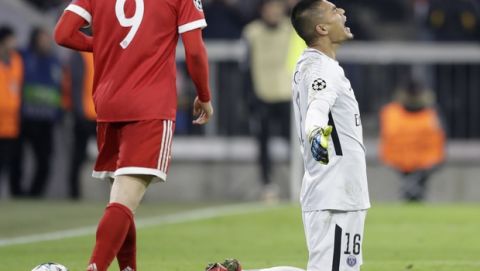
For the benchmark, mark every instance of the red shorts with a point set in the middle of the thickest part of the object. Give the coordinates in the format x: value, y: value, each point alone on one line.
x: 134, y: 148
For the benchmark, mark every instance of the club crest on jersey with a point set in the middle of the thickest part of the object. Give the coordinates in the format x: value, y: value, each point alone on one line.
x: 351, y: 261
x: 319, y: 84
x: 198, y: 4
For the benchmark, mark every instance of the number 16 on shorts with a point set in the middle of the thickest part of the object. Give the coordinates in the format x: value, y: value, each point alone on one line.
x: 334, y: 239
x: 353, y: 247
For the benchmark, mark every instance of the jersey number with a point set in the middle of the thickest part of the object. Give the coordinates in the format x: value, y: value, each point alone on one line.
x: 356, y: 244
x: 132, y: 22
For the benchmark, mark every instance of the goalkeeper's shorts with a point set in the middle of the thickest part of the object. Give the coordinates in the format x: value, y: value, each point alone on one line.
x: 334, y: 239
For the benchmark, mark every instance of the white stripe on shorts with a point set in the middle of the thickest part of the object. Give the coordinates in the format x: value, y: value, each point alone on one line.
x: 169, y: 146
x: 166, y: 145
x: 163, y: 144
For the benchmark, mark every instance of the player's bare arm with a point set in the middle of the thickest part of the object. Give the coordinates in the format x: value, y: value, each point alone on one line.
x: 68, y: 34
x: 197, y: 65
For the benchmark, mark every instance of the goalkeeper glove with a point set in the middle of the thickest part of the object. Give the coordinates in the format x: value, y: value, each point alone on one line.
x: 227, y: 265
x: 319, y: 144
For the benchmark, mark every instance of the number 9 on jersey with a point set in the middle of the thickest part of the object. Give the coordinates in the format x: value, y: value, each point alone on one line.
x: 133, y: 22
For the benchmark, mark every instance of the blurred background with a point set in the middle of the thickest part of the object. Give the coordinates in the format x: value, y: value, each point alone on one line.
x: 414, y: 67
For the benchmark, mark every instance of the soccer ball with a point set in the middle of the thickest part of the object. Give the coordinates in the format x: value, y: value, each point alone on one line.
x: 50, y: 267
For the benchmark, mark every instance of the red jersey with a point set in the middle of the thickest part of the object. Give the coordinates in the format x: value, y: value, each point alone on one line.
x: 134, y: 44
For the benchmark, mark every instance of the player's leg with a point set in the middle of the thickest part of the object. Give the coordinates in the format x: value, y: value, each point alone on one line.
x: 233, y: 264
x: 16, y: 163
x: 127, y: 255
x: 116, y: 229
x: 266, y: 119
x: 108, y: 141
x: 128, y: 190
x: 334, y: 240
x: 42, y: 143
x: 78, y: 155
x: 137, y: 152
x: 422, y: 183
x: 5, y: 155
x: 317, y: 234
x: 411, y: 186
x: 283, y: 112
x: 262, y: 137
x: 151, y: 157
x: 3, y: 158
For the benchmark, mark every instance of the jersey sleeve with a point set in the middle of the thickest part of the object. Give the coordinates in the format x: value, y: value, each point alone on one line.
x: 190, y: 16
x: 82, y: 8
x: 322, y: 95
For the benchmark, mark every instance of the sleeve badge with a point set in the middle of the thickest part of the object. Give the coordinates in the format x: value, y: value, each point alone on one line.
x: 319, y: 84
x: 198, y: 4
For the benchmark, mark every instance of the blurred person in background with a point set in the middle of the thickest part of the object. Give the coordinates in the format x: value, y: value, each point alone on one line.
x: 80, y: 66
x: 249, y: 9
x: 420, y: 10
x: 11, y: 76
x: 40, y: 110
x: 225, y: 24
x: 412, y: 140
x: 45, y: 4
x: 454, y: 20
x: 269, y: 39
x: 225, y: 20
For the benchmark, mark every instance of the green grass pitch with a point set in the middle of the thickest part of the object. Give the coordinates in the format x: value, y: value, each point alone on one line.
x: 397, y: 237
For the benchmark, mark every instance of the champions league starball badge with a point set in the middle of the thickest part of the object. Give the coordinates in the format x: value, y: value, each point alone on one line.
x: 351, y: 261
x: 319, y: 84
x: 198, y: 4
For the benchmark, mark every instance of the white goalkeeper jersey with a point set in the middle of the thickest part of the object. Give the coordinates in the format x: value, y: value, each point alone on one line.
x: 322, y: 95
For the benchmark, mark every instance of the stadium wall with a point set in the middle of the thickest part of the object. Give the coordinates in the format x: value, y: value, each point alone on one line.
x: 225, y: 169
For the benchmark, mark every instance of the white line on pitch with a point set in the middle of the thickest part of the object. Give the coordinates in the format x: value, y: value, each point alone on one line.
x: 188, y: 216
x: 472, y: 262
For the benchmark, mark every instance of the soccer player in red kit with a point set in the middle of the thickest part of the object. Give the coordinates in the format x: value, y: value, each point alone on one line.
x: 134, y: 93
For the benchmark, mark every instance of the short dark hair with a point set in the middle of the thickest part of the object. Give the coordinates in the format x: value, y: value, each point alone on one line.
x: 301, y: 19
x: 5, y: 32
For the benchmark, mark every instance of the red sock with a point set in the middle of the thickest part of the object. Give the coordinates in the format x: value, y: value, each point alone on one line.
x: 111, y: 233
x: 127, y: 255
